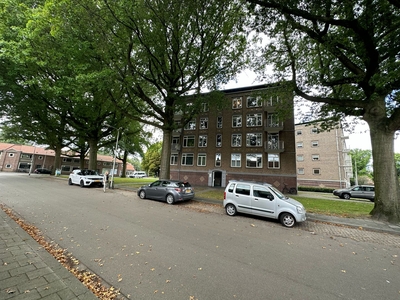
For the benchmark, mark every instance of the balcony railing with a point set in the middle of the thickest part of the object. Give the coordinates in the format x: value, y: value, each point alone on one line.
x: 274, y: 147
x: 273, y: 126
x: 175, y: 148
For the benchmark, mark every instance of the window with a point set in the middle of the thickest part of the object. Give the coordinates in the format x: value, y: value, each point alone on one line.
x: 219, y: 122
x: 300, y: 171
x: 77, y: 160
x: 314, y: 130
x: 174, y: 159
x: 10, y: 154
x: 243, y: 189
x: 218, y: 142
x: 273, y: 161
x: 67, y: 159
x: 273, y: 121
x: 254, y: 102
x: 187, y: 159
x: 315, y: 157
x: 236, y: 121
x: 231, y: 187
x: 314, y: 144
x: 65, y: 168
x: 299, y: 132
x: 254, y: 160
x: 8, y: 166
x: 201, y: 159
x: 237, y: 103
x: 273, y: 100
x: 188, y: 141
x: 236, y: 140
x: 253, y: 120
x: 218, y: 159
x: 202, y: 141
x: 26, y: 155
x: 262, y: 192
x: 203, y: 123
x: 273, y: 141
x: 253, y: 139
x: 40, y: 157
x: 300, y: 145
x: 300, y: 158
x: 191, y: 125
x: 204, y: 107
x: 236, y: 160
x: 316, y: 171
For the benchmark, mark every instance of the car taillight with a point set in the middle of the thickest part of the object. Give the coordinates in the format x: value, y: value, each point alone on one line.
x: 179, y: 190
x: 224, y: 195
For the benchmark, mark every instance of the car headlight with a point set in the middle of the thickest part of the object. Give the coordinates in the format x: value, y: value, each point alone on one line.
x: 300, y: 209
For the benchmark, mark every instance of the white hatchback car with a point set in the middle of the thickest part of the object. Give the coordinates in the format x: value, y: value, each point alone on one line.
x: 85, y: 178
x: 262, y: 199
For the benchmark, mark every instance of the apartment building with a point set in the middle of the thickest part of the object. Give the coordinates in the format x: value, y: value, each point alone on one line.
x: 245, y: 141
x: 322, y: 157
x: 20, y: 158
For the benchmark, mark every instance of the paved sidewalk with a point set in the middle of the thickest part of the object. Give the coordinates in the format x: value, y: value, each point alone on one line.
x: 29, y: 272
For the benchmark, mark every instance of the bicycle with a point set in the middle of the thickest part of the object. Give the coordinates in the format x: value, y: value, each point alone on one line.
x: 287, y: 190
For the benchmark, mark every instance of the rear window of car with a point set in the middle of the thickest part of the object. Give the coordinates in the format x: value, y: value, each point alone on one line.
x: 184, y: 184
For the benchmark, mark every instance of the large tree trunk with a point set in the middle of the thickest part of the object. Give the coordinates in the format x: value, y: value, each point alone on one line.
x: 165, y: 154
x: 124, y: 160
x: 93, y: 154
x: 57, y: 159
x: 387, y: 195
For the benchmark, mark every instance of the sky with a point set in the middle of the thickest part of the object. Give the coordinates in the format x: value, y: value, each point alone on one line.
x: 359, y: 138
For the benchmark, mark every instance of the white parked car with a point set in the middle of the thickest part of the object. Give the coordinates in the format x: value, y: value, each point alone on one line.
x: 85, y: 178
x: 262, y: 199
x: 138, y: 174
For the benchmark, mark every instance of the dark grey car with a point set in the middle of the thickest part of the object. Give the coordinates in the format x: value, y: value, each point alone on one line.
x: 357, y: 191
x: 167, y: 190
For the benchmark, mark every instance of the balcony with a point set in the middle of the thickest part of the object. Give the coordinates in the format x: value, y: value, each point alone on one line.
x: 274, y: 147
x: 273, y: 127
x: 175, y: 148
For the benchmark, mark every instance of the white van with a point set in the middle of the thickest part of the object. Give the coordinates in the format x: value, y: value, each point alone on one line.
x: 138, y: 174
x: 262, y: 199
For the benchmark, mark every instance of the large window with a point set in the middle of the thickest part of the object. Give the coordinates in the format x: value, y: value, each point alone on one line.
x: 188, y: 141
x: 204, y: 107
x: 254, y: 102
x: 218, y: 141
x: 273, y: 161
x: 253, y: 139
x: 219, y: 122
x: 191, y: 125
x: 236, y: 160
x: 201, y: 159
x: 202, y: 141
x: 218, y: 159
x: 174, y: 159
x: 187, y: 159
x: 253, y: 120
x: 236, y: 121
x: 237, y: 103
x: 254, y: 160
x: 273, y: 141
x: 236, y: 140
x: 203, y: 123
x: 300, y: 157
x: 273, y: 120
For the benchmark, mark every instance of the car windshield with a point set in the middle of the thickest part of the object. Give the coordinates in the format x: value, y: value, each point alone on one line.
x: 277, y: 192
x: 89, y: 172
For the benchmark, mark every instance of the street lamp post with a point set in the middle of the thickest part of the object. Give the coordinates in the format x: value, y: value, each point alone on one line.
x: 32, y: 160
x: 115, y: 156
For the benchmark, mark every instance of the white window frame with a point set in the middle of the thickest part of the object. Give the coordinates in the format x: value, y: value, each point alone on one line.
x: 204, y: 123
x: 316, y: 171
x: 237, y: 103
x: 202, y: 141
x: 314, y: 130
x: 186, y: 139
x: 300, y: 171
x: 258, y: 163
x: 220, y: 120
x: 299, y: 132
x: 274, y: 161
x: 314, y: 143
x: 237, y: 121
x: 300, y: 157
x: 218, y: 137
x: 173, y: 161
x: 8, y: 166
x: 191, y: 125
x: 218, y: 159
x: 201, y: 159
x: 236, y: 140
x: 299, y: 144
x: 258, y: 139
x: 236, y: 160
x: 254, y: 120
x: 315, y: 157
x: 185, y: 157
x: 11, y: 154
x: 258, y: 101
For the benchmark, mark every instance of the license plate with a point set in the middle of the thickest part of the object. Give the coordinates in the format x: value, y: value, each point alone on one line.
x: 188, y: 191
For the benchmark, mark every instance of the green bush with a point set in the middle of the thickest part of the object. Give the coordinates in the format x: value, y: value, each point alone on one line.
x: 315, y: 189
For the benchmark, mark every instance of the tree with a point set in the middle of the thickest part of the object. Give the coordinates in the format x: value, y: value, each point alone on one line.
x: 361, y: 160
x: 397, y: 162
x: 343, y: 55
x: 152, y: 159
x: 166, y: 49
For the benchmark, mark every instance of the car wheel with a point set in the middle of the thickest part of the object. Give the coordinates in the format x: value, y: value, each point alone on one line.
x: 287, y: 220
x: 142, y: 194
x: 230, y: 209
x: 346, y: 196
x: 69, y: 181
x: 81, y: 183
x: 170, y: 199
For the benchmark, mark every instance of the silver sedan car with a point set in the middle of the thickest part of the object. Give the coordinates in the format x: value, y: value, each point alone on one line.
x: 170, y: 191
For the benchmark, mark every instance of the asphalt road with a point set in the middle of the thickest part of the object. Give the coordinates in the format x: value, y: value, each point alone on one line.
x: 151, y: 250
